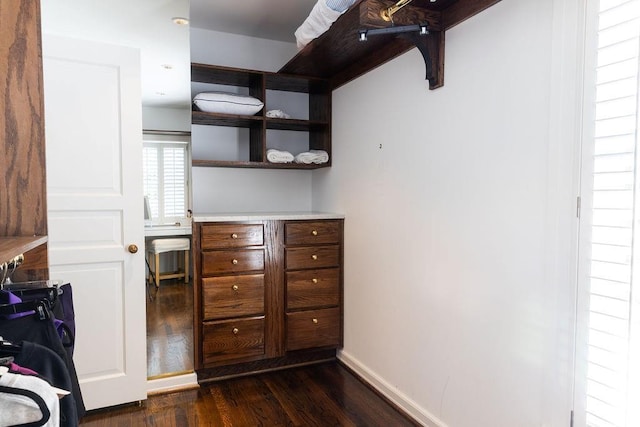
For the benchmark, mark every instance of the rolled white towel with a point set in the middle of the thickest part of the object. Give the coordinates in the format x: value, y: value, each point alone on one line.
x: 320, y: 156
x: 278, y: 114
x: 306, y: 158
x: 312, y: 156
x: 318, y: 21
x: 278, y: 156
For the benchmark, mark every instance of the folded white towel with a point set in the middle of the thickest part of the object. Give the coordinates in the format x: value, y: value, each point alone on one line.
x: 318, y: 21
x: 278, y: 156
x: 278, y: 114
x: 312, y: 156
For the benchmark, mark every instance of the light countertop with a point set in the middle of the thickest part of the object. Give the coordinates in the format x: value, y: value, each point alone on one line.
x: 264, y: 216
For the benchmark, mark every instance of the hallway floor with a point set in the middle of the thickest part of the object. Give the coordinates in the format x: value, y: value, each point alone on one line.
x: 169, y: 328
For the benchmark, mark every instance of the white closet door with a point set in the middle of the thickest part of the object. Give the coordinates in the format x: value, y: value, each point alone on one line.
x: 93, y: 132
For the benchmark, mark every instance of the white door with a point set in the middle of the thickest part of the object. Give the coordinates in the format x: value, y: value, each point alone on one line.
x: 93, y: 127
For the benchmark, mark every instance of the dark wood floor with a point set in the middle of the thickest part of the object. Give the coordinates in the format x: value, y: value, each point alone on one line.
x: 318, y: 395
x: 169, y: 328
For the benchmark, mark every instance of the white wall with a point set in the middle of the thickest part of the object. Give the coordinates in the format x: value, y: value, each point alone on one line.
x: 254, y: 190
x: 459, y: 224
x: 171, y: 119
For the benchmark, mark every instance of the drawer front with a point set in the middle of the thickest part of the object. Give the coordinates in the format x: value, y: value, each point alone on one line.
x: 312, y: 257
x: 312, y: 233
x: 233, y: 296
x: 232, y: 261
x: 232, y: 339
x: 220, y: 236
x: 313, y: 288
x: 313, y: 328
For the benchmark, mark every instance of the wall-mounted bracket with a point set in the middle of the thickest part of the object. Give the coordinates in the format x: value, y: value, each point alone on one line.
x: 429, y: 43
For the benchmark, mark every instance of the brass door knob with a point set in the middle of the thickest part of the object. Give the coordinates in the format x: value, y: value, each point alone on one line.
x: 314, y: 280
x: 314, y: 257
x: 235, y: 288
x: 314, y: 232
x: 234, y: 236
x: 133, y: 248
x: 234, y: 262
x: 315, y: 321
x: 235, y: 331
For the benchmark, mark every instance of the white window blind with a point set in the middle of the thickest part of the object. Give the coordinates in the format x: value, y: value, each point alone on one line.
x: 613, y: 359
x: 165, y: 177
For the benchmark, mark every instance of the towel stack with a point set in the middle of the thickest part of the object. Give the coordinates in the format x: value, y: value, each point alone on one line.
x: 278, y: 156
x: 312, y: 156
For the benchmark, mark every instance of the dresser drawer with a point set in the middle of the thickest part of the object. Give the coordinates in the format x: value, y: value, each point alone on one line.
x: 312, y: 257
x: 313, y: 288
x: 313, y: 328
x: 220, y: 236
x: 312, y: 233
x: 232, y: 296
x: 232, y: 261
x: 232, y: 339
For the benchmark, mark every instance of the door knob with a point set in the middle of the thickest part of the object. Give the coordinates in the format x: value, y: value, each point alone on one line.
x: 133, y: 249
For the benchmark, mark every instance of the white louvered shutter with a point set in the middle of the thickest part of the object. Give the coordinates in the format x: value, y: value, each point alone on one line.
x: 614, y: 279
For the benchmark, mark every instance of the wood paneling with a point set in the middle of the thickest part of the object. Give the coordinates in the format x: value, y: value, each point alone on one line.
x: 23, y: 208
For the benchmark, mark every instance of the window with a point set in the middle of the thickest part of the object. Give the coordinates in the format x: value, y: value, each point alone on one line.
x: 166, y: 176
x: 613, y: 282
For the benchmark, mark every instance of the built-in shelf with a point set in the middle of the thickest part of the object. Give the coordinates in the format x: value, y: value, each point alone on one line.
x: 10, y: 247
x: 255, y: 165
x: 339, y: 56
x: 312, y: 118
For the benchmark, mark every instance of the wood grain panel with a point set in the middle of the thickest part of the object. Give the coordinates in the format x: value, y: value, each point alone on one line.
x: 232, y: 261
x: 312, y: 257
x: 217, y: 236
x: 22, y: 164
x: 312, y: 233
x: 313, y: 328
x: 274, y: 289
x: 23, y: 208
x: 233, y: 296
x: 313, y: 288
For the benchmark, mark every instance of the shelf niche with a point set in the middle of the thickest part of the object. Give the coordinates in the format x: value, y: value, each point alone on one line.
x: 261, y: 85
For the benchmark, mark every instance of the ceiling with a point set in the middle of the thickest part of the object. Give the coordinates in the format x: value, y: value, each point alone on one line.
x: 164, y: 46
x: 268, y: 19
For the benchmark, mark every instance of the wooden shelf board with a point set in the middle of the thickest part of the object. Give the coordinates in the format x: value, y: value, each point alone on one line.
x: 260, y: 165
x: 219, y: 119
x: 339, y: 56
x: 295, y: 125
x: 11, y: 247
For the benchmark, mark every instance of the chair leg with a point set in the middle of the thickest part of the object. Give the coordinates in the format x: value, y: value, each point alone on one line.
x: 157, y: 268
x: 186, y: 266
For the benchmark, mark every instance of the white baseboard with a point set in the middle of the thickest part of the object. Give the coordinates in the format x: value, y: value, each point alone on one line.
x: 173, y: 383
x: 403, y: 402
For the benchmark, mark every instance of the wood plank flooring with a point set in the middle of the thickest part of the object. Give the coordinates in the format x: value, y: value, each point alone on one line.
x: 317, y: 395
x: 170, y: 328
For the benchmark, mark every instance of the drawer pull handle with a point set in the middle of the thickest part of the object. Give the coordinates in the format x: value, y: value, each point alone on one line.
x: 314, y: 280
x: 315, y: 321
x: 235, y: 331
x: 235, y: 288
x: 234, y: 236
x: 314, y: 257
x: 314, y: 232
x: 234, y: 262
